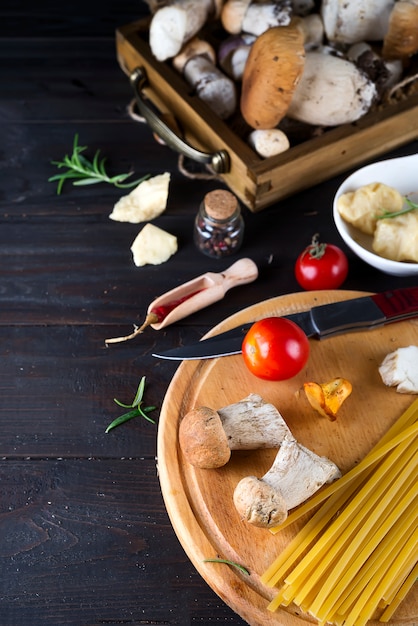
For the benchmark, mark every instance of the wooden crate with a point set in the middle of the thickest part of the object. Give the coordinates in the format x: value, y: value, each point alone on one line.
x: 261, y: 182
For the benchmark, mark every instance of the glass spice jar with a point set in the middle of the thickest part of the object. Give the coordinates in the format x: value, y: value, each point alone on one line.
x: 219, y: 226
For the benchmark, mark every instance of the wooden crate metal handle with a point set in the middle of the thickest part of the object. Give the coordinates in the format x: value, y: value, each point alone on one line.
x: 218, y: 161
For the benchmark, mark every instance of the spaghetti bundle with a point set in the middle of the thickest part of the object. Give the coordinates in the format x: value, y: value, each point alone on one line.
x: 358, y: 552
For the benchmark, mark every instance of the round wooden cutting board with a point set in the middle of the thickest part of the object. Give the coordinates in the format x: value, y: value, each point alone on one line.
x: 199, y: 502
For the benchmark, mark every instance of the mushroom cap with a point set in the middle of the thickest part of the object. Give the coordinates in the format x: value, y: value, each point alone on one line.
x: 193, y: 48
x: 258, y: 503
x: 232, y: 16
x: 401, y: 40
x: 273, y: 69
x: 203, y: 440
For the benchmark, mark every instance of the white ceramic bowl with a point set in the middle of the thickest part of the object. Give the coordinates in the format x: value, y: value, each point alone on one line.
x: 400, y: 173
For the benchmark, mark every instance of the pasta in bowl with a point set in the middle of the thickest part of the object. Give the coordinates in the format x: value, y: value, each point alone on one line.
x: 366, y: 208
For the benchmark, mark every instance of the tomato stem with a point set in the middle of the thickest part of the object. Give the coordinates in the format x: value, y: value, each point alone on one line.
x: 317, y: 249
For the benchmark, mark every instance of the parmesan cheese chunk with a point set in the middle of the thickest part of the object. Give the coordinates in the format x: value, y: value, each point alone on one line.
x: 153, y: 246
x: 146, y: 202
x: 400, y: 369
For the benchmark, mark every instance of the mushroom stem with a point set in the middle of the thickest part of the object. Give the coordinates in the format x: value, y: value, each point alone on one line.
x: 207, y: 437
x: 177, y: 22
x: 331, y: 91
x: 296, y: 474
x: 196, y: 62
x: 255, y: 17
x: 350, y: 22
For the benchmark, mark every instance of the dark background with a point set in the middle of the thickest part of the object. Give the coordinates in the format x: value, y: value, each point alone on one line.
x: 85, y: 539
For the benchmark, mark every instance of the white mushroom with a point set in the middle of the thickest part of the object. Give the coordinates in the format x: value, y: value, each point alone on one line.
x: 207, y: 437
x: 349, y: 22
x: 383, y: 73
x: 233, y: 54
x: 269, y: 142
x: 296, y: 474
x: 331, y: 91
x: 197, y: 63
x: 312, y: 29
x: 255, y: 17
x: 177, y: 22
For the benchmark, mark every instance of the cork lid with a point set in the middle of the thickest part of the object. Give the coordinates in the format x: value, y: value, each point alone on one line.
x: 220, y: 204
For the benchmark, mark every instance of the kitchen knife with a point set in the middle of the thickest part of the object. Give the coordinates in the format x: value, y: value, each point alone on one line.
x: 321, y: 322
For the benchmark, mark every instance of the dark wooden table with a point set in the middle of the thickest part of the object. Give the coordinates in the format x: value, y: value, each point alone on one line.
x: 84, y: 535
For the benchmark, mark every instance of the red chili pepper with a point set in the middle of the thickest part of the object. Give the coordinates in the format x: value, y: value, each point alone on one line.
x: 162, y: 311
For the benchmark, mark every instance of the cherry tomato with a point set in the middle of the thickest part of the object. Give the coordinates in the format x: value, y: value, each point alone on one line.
x: 275, y: 349
x: 321, y: 266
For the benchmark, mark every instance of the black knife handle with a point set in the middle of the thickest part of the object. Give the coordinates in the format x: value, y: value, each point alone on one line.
x: 398, y: 304
x: 365, y: 312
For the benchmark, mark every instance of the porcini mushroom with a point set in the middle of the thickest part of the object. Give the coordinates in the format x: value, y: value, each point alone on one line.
x: 296, y: 474
x: 350, y: 22
x: 384, y: 73
x: 274, y: 67
x: 401, y: 38
x: 268, y: 142
x: 331, y: 91
x: 197, y: 63
x: 207, y: 437
x: 233, y: 54
x: 174, y: 24
x: 254, y: 17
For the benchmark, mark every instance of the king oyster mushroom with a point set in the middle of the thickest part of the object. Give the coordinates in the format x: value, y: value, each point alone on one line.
x: 296, y: 474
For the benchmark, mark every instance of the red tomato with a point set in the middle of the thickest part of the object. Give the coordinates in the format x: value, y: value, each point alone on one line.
x: 321, y: 266
x: 275, y: 349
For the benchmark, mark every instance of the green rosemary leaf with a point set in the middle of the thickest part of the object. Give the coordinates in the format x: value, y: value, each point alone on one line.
x: 86, y: 181
x: 412, y: 206
x: 139, y: 393
x: 122, y: 419
x: 137, y: 410
x: 143, y: 412
x: 227, y: 562
x: 88, y: 172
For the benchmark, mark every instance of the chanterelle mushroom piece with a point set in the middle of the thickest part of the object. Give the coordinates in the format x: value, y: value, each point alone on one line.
x: 275, y: 65
x: 331, y: 91
x: 349, y: 22
x: 207, y: 436
x: 296, y: 474
x: 173, y: 25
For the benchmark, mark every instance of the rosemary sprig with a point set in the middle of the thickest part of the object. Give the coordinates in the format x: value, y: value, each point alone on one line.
x: 412, y: 206
x: 87, y: 172
x: 241, y: 568
x: 137, y: 409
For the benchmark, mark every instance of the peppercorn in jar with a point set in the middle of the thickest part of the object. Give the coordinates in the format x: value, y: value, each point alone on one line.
x: 219, y: 226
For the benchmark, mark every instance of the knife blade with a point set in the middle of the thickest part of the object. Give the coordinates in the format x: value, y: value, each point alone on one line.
x: 321, y: 322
